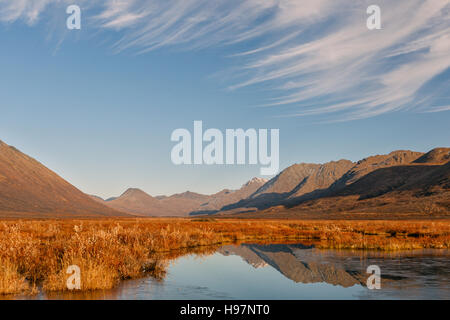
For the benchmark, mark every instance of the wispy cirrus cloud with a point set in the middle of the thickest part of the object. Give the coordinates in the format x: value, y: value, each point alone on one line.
x: 317, y: 55
x: 27, y: 10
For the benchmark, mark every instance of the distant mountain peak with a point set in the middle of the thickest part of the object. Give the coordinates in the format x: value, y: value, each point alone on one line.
x: 255, y: 180
x: 133, y: 190
x: 134, y: 201
x: 133, y: 193
x: 435, y: 156
x: 394, y: 157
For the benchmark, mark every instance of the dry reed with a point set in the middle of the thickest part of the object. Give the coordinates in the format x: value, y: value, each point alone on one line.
x: 36, y: 253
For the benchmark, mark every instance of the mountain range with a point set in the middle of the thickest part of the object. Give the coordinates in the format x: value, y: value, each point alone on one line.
x: 137, y: 202
x: 401, y: 182
x: 299, y: 263
x: 343, y: 268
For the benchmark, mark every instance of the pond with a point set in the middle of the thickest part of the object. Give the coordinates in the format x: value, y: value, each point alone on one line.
x: 290, y: 271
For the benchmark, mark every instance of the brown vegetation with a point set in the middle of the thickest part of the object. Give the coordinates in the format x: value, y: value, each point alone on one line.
x: 36, y: 253
x: 28, y: 188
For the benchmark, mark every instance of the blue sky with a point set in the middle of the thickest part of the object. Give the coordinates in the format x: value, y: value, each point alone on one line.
x: 98, y: 105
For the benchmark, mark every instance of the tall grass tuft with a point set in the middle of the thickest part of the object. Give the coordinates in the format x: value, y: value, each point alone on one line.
x: 36, y: 253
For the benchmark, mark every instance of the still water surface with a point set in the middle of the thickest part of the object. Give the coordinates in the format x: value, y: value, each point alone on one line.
x: 289, y: 271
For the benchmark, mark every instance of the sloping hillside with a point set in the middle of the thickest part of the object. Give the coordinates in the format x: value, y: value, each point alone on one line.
x: 420, y: 188
x: 29, y: 189
x: 135, y: 201
x: 138, y: 202
x: 306, y: 181
x: 373, y: 163
x: 226, y: 197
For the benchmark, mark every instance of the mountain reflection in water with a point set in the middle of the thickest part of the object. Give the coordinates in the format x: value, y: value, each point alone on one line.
x: 297, y: 263
x: 290, y: 271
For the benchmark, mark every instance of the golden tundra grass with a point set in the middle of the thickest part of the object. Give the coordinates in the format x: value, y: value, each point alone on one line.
x: 36, y: 253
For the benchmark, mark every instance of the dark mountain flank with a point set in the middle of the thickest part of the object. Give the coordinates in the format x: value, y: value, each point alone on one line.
x: 299, y: 181
x: 402, y: 182
x: 226, y: 197
x: 435, y: 156
x: 370, y: 164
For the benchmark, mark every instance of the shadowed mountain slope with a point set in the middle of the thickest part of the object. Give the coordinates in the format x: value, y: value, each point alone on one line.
x: 435, y: 156
x: 300, y: 180
x: 370, y: 164
x: 226, y: 197
x: 399, y: 182
x: 421, y: 188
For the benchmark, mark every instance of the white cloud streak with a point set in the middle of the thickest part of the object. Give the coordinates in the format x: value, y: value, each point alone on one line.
x: 317, y: 55
x: 27, y: 10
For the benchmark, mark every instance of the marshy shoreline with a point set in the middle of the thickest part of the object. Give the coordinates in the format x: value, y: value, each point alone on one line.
x: 35, y: 254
